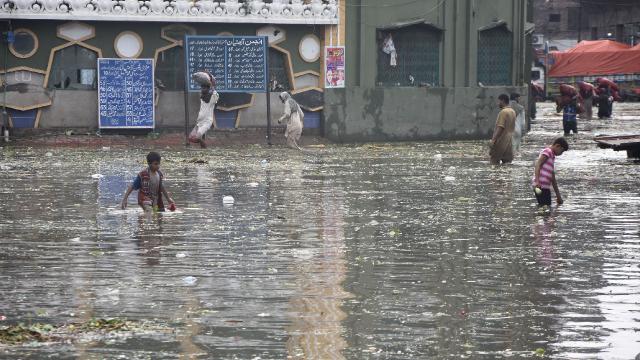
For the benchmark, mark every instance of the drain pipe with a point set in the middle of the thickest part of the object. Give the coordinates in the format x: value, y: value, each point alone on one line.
x: 7, y: 38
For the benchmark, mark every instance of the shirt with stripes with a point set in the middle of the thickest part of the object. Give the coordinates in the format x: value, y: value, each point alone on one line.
x: 546, y: 170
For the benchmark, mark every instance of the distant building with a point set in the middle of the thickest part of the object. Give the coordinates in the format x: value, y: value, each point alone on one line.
x: 587, y: 20
x: 557, y: 19
x: 616, y: 20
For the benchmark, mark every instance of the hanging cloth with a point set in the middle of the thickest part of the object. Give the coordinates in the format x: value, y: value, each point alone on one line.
x: 389, y: 48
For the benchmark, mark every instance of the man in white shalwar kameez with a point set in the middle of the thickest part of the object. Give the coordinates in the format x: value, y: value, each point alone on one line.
x: 520, y: 121
x: 293, y: 116
x: 208, y: 99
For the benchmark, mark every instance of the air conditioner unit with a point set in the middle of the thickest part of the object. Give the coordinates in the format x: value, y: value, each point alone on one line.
x: 537, y: 40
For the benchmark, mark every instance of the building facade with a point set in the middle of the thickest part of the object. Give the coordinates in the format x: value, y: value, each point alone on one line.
x: 50, y: 71
x: 431, y: 69
x: 558, y: 19
x: 614, y: 20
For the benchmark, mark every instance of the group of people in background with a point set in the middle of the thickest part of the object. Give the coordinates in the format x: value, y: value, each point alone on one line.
x: 574, y: 102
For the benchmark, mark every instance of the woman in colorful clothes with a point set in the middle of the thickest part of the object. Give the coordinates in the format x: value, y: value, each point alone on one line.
x: 208, y: 99
x: 150, y: 187
x: 293, y: 116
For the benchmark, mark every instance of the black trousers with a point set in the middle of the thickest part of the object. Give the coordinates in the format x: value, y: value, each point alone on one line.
x: 568, y: 126
x: 544, y: 198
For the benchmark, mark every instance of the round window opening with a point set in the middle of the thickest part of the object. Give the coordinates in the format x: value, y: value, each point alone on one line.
x: 25, y: 43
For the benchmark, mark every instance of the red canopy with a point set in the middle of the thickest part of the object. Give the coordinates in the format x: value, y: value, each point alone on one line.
x: 598, y: 45
x: 600, y: 57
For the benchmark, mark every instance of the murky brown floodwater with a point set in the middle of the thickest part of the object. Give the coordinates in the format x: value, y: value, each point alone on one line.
x: 369, y: 252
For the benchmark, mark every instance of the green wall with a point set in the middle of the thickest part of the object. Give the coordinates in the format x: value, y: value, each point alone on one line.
x: 460, y: 21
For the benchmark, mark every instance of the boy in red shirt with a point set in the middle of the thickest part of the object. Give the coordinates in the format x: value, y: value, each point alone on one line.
x: 150, y: 187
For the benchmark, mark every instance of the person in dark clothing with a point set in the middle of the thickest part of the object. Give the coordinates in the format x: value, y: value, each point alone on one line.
x: 605, y: 102
x: 570, y: 118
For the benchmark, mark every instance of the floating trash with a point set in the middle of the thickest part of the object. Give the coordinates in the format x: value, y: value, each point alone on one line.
x: 97, y: 176
x: 228, y: 200
x: 181, y: 255
x: 189, y: 280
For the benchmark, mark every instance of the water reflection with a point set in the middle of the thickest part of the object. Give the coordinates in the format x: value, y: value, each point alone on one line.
x: 316, y: 328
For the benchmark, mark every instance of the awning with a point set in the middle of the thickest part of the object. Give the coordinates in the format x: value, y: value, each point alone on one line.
x: 406, y: 23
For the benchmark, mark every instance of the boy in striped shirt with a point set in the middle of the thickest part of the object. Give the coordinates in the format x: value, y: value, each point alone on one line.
x: 544, y: 176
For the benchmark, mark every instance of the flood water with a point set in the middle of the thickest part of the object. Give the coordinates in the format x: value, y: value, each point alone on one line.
x: 385, y: 251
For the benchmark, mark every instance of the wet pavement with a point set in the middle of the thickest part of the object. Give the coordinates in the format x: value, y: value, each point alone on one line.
x: 384, y: 251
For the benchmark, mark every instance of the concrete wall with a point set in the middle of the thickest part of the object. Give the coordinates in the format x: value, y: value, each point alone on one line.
x: 460, y: 20
x: 71, y: 108
x: 399, y: 114
x: 78, y: 108
x: 459, y: 108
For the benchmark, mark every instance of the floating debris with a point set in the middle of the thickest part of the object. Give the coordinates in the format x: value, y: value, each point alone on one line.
x: 189, y: 280
x: 228, y: 200
x: 94, y: 328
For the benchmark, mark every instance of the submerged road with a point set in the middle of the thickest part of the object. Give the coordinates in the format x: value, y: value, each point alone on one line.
x: 384, y: 251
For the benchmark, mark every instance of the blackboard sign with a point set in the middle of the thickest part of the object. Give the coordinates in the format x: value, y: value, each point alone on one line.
x: 125, y: 93
x: 239, y: 63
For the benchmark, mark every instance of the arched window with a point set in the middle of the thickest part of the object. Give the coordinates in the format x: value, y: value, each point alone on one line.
x: 495, y: 56
x: 74, y: 68
x: 170, y: 68
x: 417, y: 56
x: 278, y: 71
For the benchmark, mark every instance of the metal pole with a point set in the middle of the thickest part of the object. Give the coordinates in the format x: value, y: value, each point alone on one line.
x: 268, y: 115
x: 186, y: 93
x: 5, y: 115
x: 268, y: 92
x: 546, y: 68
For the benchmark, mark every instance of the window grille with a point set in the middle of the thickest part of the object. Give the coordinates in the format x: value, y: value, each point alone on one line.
x: 170, y: 69
x: 74, y: 68
x: 418, y: 57
x: 278, y: 71
x: 495, y: 56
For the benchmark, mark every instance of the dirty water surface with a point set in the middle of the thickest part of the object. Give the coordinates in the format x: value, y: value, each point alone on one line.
x: 384, y: 251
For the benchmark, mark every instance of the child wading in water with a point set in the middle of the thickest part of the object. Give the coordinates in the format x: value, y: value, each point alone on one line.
x: 150, y: 187
x: 544, y: 176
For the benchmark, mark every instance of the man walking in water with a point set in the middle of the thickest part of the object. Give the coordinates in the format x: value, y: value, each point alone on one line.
x: 208, y: 99
x: 501, y: 148
x: 293, y: 117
